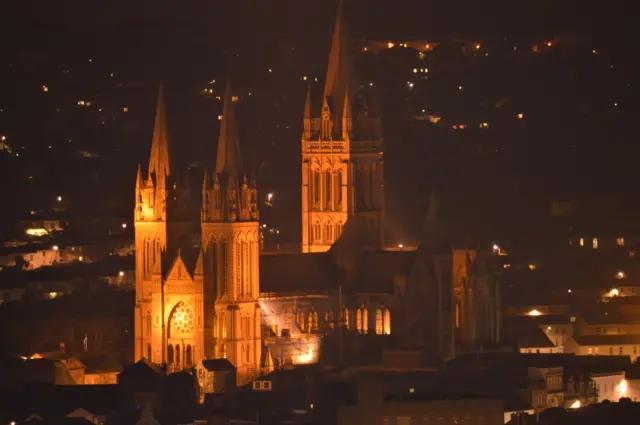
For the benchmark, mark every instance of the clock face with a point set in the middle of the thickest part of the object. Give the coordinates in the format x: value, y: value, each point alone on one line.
x: 325, y: 115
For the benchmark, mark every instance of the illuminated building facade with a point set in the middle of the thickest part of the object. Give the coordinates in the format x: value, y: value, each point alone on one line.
x: 197, y: 286
x: 342, y: 158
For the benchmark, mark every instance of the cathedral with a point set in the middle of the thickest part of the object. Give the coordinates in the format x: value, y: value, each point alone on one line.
x: 204, y: 289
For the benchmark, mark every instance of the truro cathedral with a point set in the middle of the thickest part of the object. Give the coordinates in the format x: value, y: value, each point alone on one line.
x: 204, y: 289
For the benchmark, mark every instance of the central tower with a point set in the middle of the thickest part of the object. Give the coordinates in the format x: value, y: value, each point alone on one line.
x: 342, y: 158
x: 230, y: 240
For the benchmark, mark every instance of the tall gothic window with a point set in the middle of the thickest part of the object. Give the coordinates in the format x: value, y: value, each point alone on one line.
x: 245, y: 267
x: 337, y: 199
x: 310, y: 324
x: 387, y: 322
x: 147, y: 258
x: 345, y: 319
x: 317, y: 232
x: 189, y: 356
x: 301, y: 321
x: 178, y: 354
x: 239, y: 287
x: 379, y: 322
x: 250, y: 261
x: 224, y: 259
x: 328, y: 191
x: 315, y: 186
x: 315, y: 320
x: 366, y: 179
x: 338, y: 231
x: 328, y: 232
x: 373, y: 187
x: 170, y: 354
x: 148, y: 324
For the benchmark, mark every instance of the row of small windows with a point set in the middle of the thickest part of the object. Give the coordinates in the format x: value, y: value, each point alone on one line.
x: 594, y: 350
x: 310, y: 322
x: 175, y: 354
x: 595, y: 242
x: 327, y: 233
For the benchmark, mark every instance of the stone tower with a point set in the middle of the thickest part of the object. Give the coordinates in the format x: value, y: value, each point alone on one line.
x: 342, y: 158
x: 160, y: 223
x: 230, y: 240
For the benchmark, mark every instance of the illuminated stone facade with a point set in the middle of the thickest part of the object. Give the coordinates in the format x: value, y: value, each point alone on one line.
x: 342, y: 159
x: 197, y: 281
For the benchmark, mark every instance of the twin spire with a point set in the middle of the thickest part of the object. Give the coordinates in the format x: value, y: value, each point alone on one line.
x: 159, y: 159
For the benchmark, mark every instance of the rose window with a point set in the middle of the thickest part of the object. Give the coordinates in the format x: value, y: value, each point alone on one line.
x: 182, y: 320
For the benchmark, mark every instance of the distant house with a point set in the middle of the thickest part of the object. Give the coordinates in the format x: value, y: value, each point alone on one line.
x: 537, y: 341
x: 604, y: 345
x: 217, y: 376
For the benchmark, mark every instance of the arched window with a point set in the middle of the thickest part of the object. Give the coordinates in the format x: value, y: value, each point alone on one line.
x: 224, y: 259
x: 337, y: 187
x: 359, y: 320
x: 300, y: 320
x: 387, y: 322
x: 328, y: 190
x: 239, y: 286
x: 147, y: 258
x: 338, y: 230
x: 315, y: 320
x: 315, y: 186
x: 310, y: 324
x: 178, y: 354
x: 246, y: 269
x: 331, y: 320
x: 189, y: 356
x: 170, y: 354
x: 223, y: 351
x: 248, y: 354
x: 346, y: 318
x: 328, y: 232
x: 379, y: 320
x: 317, y: 232
x: 149, y: 352
x: 148, y: 324
x: 365, y: 320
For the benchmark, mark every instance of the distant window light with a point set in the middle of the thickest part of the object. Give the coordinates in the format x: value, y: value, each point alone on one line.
x: 581, y: 241
x: 594, y: 243
x: 620, y: 241
x: 532, y: 267
x: 632, y: 253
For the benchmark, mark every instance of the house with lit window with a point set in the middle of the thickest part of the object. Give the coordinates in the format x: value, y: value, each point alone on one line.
x: 604, y: 345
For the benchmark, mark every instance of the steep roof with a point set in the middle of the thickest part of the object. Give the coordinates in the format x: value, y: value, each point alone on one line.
x: 377, y: 270
x: 298, y: 273
x: 536, y: 338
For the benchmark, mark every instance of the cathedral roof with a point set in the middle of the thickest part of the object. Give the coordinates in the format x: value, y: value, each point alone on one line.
x: 378, y: 270
x: 229, y: 158
x: 298, y: 273
x: 159, y: 159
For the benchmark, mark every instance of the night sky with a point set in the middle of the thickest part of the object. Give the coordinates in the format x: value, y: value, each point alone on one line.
x: 577, y: 142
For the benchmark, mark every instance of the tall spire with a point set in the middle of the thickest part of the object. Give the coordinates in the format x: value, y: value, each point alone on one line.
x: 229, y: 159
x: 139, y: 181
x: 340, y: 72
x: 159, y: 159
x: 434, y: 234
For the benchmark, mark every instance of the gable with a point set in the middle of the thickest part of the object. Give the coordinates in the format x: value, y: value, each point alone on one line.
x: 178, y: 271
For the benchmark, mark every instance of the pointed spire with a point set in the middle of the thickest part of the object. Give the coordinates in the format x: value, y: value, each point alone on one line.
x: 229, y: 159
x: 139, y: 181
x: 434, y: 234
x: 159, y: 159
x: 340, y: 71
